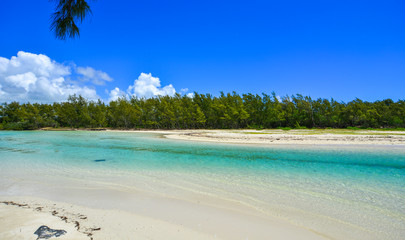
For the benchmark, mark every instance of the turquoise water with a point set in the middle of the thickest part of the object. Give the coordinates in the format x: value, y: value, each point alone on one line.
x: 360, y: 188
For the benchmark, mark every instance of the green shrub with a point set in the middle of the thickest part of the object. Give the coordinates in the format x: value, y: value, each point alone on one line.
x: 254, y: 126
x: 284, y: 128
x: 353, y: 128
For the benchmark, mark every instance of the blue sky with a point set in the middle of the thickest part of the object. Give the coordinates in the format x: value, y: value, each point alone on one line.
x: 339, y: 49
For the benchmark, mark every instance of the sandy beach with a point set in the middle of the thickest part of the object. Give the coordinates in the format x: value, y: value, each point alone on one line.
x: 21, y: 216
x: 103, y: 207
x: 306, y: 137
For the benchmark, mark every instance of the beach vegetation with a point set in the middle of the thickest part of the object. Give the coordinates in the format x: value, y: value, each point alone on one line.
x: 226, y: 111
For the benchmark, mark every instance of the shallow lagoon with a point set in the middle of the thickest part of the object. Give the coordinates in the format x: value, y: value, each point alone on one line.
x: 333, y: 190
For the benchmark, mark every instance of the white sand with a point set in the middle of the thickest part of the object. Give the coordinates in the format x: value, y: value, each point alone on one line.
x: 83, y: 222
x: 20, y: 222
x: 309, y: 137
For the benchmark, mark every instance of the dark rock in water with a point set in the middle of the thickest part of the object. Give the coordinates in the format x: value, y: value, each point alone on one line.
x: 45, y: 232
x: 100, y: 160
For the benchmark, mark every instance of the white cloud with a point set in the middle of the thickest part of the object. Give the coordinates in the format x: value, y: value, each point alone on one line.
x: 37, y: 78
x: 148, y: 86
x: 30, y: 77
x: 95, y: 76
x: 115, y: 94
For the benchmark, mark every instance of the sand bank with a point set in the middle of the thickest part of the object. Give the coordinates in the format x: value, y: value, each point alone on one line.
x: 309, y: 137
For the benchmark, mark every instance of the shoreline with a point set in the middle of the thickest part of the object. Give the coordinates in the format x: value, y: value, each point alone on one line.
x: 273, y: 136
x: 280, y: 137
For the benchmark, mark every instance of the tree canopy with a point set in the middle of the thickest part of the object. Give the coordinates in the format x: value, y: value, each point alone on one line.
x: 227, y: 111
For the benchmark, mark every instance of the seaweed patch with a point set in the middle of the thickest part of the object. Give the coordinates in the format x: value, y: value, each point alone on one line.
x: 99, y: 160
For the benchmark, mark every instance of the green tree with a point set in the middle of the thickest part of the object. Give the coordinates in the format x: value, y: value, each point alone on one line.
x: 273, y: 113
x: 121, y: 114
x: 205, y: 111
x: 97, y: 112
x: 254, y: 105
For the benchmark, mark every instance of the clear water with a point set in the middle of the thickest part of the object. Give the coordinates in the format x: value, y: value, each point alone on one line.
x: 358, y: 190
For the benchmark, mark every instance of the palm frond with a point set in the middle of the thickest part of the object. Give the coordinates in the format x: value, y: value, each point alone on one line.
x: 67, y: 13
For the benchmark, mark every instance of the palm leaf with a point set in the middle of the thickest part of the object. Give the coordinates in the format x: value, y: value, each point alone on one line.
x: 67, y: 13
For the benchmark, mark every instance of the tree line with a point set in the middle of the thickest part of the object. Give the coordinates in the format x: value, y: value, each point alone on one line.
x: 227, y: 111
